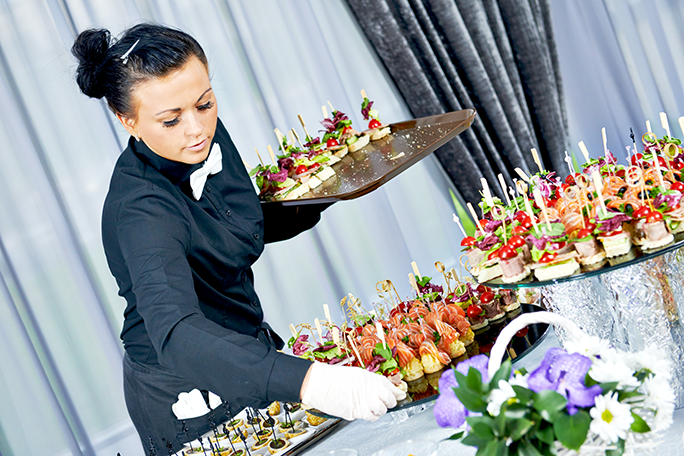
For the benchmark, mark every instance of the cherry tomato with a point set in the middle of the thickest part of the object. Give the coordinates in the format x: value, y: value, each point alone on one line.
x: 548, y: 257
x: 679, y: 186
x: 332, y: 142
x: 482, y: 289
x: 487, y: 296
x: 520, y: 216
x: 394, y: 311
x: 662, y: 162
x: 613, y: 233
x: 516, y: 241
x: 642, y: 212
x: 494, y: 254
x: 522, y: 332
x: 374, y: 123
x: 561, y: 244
x: 404, y: 307
x: 474, y: 311
x: 483, y: 222
x: 590, y: 224
x: 394, y: 372
x: 468, y: 241
x: 550, y: 202
x: 315, y: 165
x: 520, y: 230
x: 620, y: 173
x: 678, y: 165
x: 527, y: 223
x: 637, y: 158
x: 570, y: 180
x: 300, y: 169
x: 564, y: 186
x: 581, y: 234
x: 654, y: 216
x: 359, y: 330
x: 507, y: 252
x: 347, y: 129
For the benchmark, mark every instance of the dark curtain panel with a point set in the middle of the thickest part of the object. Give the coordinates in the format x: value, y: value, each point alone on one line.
x: 497, y: 56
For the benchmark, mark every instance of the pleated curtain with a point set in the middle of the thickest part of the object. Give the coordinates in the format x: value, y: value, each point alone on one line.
x: 497, y: 56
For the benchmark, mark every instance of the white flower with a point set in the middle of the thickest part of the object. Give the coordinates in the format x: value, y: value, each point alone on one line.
x: 652, y: 358
x: 588, y: 346
x: 660, y: 397
x: 612, y: 368
x: 519, y: 380
x: 663, y: 418
x: 498, y: 396
x: 610, y: 419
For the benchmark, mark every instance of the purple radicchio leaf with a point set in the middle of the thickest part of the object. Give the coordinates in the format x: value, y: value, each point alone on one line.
x: 539, y: 243
x: 430, y: 288
x: 280, y: 176
x: 671, y: 199
x: 488, y: 242
x: 469, y: 293
x: 374, y: 365
x: 313, y: 142
x: 613, y: 223
x: 610, y: 158
x: 285, y: 163
x: 492, y: 225
x: 301, y: 345
x: 328, y: 124
x: 366, y: 111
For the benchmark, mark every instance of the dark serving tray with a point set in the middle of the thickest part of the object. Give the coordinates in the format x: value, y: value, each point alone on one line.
x: 634, y: 256
x: 361, y: 172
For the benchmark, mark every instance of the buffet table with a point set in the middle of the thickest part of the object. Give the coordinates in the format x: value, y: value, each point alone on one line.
x: 367, y: 438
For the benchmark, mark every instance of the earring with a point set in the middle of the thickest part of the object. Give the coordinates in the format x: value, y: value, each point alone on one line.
x: 137, y: 138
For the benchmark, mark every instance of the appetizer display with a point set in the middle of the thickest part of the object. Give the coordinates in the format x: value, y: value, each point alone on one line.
x: 554, y: 229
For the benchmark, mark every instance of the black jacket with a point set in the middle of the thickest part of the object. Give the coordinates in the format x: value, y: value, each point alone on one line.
x: 184, y: 268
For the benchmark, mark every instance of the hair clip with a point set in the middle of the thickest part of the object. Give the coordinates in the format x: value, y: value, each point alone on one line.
x: 124, y: 57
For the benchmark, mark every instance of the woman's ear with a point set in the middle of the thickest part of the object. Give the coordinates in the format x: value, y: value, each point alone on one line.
x: 129, y: 124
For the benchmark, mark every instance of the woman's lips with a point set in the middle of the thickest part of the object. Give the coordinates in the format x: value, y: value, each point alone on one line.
x: 197, y: 147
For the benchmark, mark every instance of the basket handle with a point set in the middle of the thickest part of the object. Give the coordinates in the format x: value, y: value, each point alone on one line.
x: 519, y: 323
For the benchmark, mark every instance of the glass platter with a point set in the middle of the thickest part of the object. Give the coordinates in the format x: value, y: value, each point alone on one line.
x: 363, y: 171
x: 634, y: 256
x: 424, y: 390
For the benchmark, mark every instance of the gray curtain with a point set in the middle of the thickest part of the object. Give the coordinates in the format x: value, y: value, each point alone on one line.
x: 497, y: 56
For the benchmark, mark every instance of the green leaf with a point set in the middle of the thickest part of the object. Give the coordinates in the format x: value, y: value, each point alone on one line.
x: 545, y: 434
x: 456, y: 436
x: 549, y: 403
x: 527, y: 449
x: 572, y: 430
x: 517, y: 428
x: 609, y: 386
x: 622, y: 395
x: 474, y: 380
x: 493, y: 448
x: 639, y: 425
x: 504, y: 373
x: 470, y: 399
x: 619, y: 451
x: 523, y: 394
x: 499, y: 425
x: 481, y: 426
x: 473, y: 440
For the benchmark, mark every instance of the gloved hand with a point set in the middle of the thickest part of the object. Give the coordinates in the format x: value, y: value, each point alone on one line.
x: 349, y: 392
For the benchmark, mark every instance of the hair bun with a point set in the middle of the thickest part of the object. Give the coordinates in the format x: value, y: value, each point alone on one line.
x: 90, y: 48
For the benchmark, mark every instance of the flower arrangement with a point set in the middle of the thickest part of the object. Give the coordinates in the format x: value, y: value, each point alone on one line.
x: 589, y: 398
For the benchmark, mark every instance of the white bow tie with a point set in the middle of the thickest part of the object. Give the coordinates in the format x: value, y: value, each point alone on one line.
x: 212, y: 166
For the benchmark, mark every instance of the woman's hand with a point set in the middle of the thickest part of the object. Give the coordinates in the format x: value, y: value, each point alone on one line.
x: 349, y: 392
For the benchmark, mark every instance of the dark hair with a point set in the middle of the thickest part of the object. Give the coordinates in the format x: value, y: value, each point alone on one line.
x: 103, y: 73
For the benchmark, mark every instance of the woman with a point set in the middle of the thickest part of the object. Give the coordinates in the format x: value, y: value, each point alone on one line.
x: 181, y: 228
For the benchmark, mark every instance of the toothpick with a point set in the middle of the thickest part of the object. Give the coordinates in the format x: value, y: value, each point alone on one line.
x: 665, y: 123
x: 414, y: 284
x: 535, y: 156
x: 258, y: 155
x: 356, y: 351
x: 487, y: 194
x: 363, y: 94
x: 301, y: 121
x: 381, y: 334
x: 324, y: 110
x: 522, y: 174
x: 568, y: 160
x: 502, y: 182
x: 656, y: 162
x: 455, y: 276
x: 648, y: 127
x: 336, y: 335
x: 273, y: 157
x: 294, y: 133
x: 293, y: 331
x: 681, y: 125
x: 280, y: 136
x: 475, y: 217
x: 318, y: 328
x: 605, y: 141
x: 414, y: 266
x: 512, y: 192
x: 540, y: 203
x: 598, y: 185
x: 246, y: 164
x: 326, y: 311
x: 530, y: 212
x: 332, y: 110
x: 458, y: 222
x: 292, y: 138
x: 584, y: 150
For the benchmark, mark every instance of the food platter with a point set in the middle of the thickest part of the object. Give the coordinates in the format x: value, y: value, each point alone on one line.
x: 363, y: 171
x: 484, y: 339
x: 634, y: 256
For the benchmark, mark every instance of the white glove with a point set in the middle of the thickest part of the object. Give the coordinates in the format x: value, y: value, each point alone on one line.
x: 349, y: 392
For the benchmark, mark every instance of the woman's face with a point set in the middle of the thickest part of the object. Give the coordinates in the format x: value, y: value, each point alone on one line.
x: 176, y: 114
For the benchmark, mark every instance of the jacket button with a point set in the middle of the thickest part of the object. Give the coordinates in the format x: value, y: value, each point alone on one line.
x: 208, y: 189
x: 228, y: 213
x: 256, y: 236
x: 255, y: 304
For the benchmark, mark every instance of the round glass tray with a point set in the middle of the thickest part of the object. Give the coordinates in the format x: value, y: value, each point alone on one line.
x: 634, y: 256
x: 424, y: 389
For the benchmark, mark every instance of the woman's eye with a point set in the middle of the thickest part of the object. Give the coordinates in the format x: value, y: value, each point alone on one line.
x: 207, y: 105
x: 171, y: 123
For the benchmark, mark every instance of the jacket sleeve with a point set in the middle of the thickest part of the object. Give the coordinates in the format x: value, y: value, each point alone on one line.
x: 154, y: 236
x: 285, y: 222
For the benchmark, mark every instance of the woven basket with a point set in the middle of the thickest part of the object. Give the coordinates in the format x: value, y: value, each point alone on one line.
x: 645, y: 443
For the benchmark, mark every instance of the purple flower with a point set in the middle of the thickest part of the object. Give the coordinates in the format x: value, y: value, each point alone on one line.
x: 478, y: 362
x: 565, y: 374
x: 448, y: 410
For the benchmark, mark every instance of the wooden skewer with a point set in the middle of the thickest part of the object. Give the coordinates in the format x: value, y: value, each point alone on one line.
x: 605, y: 141
x: 568, y: 160
x: 598, y: 185
x: 458, y: 222
x: 381, y: 334
x: 540, y: 202
x: 273, y: 157
x: 280, y: 136
x: 324, y: 110
x: 502, y: 182
x: 530, y: 212
x: 475, y: 217
x: 487, y: 193
x: 246, y: 164
x: 293, y: 331
x: 584, y: 150
x: 414, y: 266
x: 512, y: 192
x: 681, y: 124
x: 535, y: 156
x: 326, y: 311
x: 414, y: 284
x: 363, y: 94
x: 356, y: 351
x: 455, y: 276
x: 318, y: 328
x: 296, y: 136
x: 258, y: 155
x: 648, y: 127
x: 332, y: 110
x: 301, y: 121
x: 522, y: 174
x: 336, y: 335
x: 665, y: 123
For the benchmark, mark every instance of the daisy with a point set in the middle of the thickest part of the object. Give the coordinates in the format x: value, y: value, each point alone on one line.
x: 661, y: 398
x: 588, y: 346
x: 612, y: 368
x: 652, y: 358
x: 498, y: 396
x: 610, y: 419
